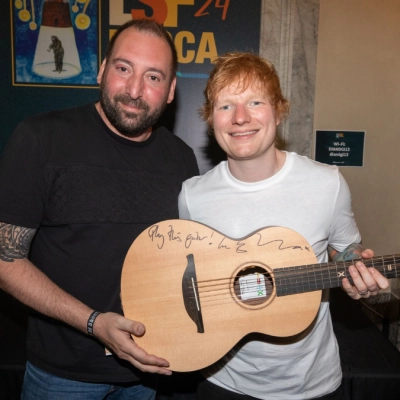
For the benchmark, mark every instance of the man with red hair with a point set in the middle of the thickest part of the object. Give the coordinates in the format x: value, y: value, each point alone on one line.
x: 259, y: 186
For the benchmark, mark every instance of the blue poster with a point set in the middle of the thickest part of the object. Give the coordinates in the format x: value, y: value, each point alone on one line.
x: 55, y: 42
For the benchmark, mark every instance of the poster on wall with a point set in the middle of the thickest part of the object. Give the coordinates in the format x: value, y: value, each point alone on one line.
x: 341, y: 148
x: 55, y: 42
x: 201, y: 30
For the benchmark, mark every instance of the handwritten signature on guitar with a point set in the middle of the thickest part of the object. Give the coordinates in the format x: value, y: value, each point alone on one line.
x: 161, y: 238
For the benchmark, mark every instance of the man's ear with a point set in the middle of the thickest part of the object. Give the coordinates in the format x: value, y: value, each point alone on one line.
x: 171, y: 91
x: 101, y: 72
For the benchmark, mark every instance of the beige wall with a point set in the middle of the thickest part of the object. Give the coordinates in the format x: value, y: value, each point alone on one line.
x: 358, y: 88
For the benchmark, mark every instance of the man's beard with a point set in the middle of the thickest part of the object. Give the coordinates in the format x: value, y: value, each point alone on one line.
x: 129, y: 124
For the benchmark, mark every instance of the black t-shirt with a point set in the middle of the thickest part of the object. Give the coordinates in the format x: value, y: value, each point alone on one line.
x: 89, y: 192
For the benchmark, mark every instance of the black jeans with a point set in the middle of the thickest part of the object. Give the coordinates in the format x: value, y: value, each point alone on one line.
x: 208, y: 391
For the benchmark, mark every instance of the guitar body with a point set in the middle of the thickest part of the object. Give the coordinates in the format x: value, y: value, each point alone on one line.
x: 184, y: 281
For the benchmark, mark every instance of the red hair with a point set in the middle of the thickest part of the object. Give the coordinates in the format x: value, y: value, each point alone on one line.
x: 243, y: 69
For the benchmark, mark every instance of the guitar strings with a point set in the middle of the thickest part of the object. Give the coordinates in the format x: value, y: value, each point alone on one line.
x: 296, y: 278
x: 304, y: 271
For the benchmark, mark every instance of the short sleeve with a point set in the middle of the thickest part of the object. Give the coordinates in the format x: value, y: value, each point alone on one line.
x: 191, y: 163
x: 22, y: 179
x: 182, y: 204
x: 344, y: 230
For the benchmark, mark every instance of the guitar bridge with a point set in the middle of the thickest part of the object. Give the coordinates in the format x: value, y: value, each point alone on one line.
x: 190, y: 294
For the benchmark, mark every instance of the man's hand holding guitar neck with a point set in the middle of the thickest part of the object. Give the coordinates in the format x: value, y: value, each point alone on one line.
x: 367, y: 281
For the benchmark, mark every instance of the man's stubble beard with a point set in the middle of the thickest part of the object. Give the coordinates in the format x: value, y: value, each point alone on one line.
x: 129, y: 124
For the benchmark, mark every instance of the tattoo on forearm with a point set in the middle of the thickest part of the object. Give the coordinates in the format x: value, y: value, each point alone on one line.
x: 15, y: 241
x: 350, y: 253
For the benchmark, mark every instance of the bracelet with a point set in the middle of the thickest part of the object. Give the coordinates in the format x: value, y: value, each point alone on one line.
x: 90, y: 322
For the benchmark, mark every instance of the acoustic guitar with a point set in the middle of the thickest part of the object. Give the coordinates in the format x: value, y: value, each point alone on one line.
x: 199, y: 292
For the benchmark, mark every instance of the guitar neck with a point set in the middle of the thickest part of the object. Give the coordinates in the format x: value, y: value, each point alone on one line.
x: 307, y: 278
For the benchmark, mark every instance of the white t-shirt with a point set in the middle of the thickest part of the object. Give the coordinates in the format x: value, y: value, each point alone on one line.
x: 314, y: 200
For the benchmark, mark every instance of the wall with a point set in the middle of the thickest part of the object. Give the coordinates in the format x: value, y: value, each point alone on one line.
x: 289, y: 40
x: 354, y: 82
x: 358, y: 88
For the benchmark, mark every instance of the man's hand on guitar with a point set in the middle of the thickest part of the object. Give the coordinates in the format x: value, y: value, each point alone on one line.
x: 115, y: 332
x: 367, y: 281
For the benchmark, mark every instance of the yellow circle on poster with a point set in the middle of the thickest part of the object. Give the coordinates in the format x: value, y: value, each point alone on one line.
x: 24, y: 15
x: 82, y: 21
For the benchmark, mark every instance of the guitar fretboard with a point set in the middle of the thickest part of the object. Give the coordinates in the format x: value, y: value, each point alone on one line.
x: 307, y: 278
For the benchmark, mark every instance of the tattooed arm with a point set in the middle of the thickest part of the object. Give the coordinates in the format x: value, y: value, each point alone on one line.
x: 14, y: 242
x: 20, y: 278
x: 367, y: 281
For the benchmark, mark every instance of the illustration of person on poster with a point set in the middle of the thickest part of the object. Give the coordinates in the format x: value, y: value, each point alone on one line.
x: 58, y: 50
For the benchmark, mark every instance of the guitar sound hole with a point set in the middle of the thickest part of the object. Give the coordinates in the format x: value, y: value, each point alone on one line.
x: 253, y: 285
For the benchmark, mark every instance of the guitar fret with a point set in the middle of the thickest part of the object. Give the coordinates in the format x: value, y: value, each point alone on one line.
x: 338, y: 274
x: 313, y: 284
x: 394, y: 273
x: 325, y: 274
x: 390, y: 269
x: 304, y: 280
